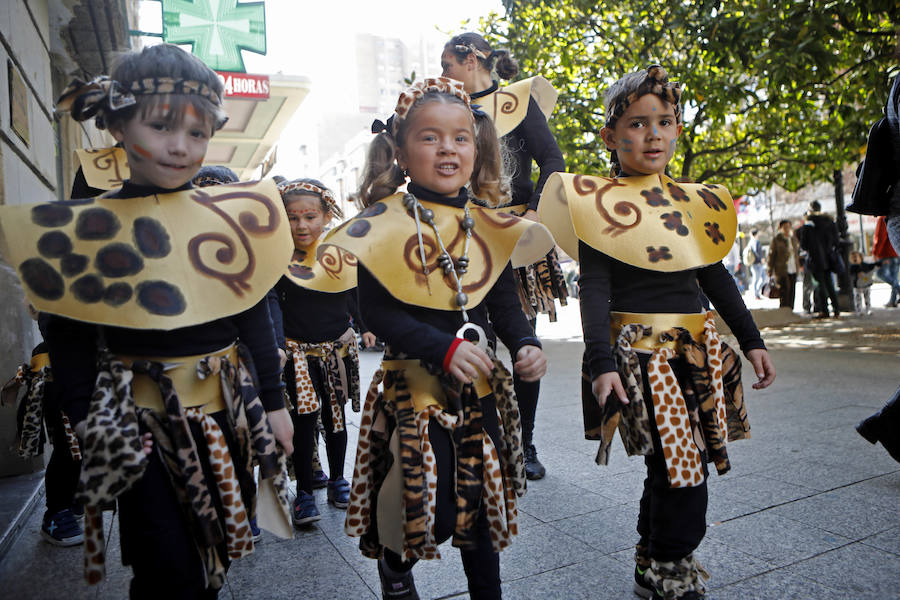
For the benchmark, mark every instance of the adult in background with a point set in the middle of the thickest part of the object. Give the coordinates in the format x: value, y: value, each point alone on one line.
x: 519, y: 112
x: 893, y: 117
x: 820, y: 240
x: 888, y: 263
x: 753, y: 258
x: 783, y: 262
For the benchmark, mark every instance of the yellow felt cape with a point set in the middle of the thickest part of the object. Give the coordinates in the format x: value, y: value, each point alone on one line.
x: 383, y: 237
x: 104, y: 168
x: 652, y: 222
x: 323, y: 269
x: 158, y: 262
x: 507, y: 105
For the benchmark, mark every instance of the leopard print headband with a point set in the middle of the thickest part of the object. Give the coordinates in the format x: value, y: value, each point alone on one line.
x: 85, y: 100
x: 656, y: 81
x: 470, y: 47
x: 443, y: 85
x: 303, y: 187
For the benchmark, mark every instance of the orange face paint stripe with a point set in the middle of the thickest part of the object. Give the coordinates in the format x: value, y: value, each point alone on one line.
x: 142, y: 152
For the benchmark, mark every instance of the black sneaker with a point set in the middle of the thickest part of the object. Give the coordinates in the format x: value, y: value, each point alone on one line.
x: 642, y: 585
x: 533, y: 467
x: 397, y: 588
x: 62, y: 529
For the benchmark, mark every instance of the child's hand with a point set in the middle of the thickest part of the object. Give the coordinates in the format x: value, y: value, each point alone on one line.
x: 531, y: 363
x: 368, y: 339
x: 467, y: 361
x: 763, y: 366
x: 283, y: 428
x: 531, y: 215
x: 604, y: 385
x: 147, y: 443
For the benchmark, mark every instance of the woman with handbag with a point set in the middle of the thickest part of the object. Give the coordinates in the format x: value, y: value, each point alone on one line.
x: 783, y: 262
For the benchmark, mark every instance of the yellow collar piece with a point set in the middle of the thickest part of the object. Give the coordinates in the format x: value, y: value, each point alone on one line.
x: 104, y: 168
x: 157, y: 262
x: 323, y: 269
x: 383, y: 237
x: 651, y: 222
x: 507, y: 105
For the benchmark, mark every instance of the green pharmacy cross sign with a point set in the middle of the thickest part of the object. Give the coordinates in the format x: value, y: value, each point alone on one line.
x: 217, y: 30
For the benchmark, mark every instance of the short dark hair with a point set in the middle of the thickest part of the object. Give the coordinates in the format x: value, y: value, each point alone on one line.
x: 754, y: 231
x: 783, y: 222
x: 165, y: 60
x: 815, y: 206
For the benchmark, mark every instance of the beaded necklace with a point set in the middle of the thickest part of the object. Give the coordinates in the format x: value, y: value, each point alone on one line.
x: 469, y: 331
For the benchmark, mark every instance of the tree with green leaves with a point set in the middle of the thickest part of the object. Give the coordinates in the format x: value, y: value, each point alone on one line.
x: 775, y: 92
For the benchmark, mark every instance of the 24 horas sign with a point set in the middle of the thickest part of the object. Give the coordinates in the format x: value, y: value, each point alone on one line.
x: 244, y: 85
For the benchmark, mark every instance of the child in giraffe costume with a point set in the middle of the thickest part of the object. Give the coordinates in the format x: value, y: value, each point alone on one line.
x: 654, y: 366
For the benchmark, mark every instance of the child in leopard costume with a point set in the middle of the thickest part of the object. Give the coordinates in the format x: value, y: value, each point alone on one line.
x: 654, y: 367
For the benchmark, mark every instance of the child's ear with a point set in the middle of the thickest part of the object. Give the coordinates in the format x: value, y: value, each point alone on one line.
x: 471, y: 61
x: 401, y: 159
x: 609, y: 138
x: 117, y: 133
x: 678, y: 130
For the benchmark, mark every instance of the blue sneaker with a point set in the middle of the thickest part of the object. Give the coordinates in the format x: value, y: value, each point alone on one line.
x: 62, y: 529
x: 339, y: 493
x: 319, y: 479
x: 254, y: 529
x: 305, y: 511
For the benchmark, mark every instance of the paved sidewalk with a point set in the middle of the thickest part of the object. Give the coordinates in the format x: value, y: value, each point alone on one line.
x: 809, y: 511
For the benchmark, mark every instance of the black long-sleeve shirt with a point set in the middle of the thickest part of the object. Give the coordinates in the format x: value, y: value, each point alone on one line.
x: 532, y: 140
x: 73, y: 344
x: 428, y: 333
x: 313, y: 317
x: 607, y: 284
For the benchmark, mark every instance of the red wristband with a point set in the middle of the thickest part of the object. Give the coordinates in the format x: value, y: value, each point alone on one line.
x: 450, y: 351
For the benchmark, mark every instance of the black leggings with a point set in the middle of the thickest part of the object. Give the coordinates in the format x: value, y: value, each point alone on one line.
x: 61, y: 476
x: 672, y: 521
x: 156, y: 538
x: 481, y: 563
x: 305, y: 430
x: 527, y: 393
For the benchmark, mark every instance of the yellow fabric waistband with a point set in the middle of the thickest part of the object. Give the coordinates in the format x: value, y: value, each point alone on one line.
x: 319, y: 349
x: 660, y: 322
x: 191, y: 390
x: 39, y: 361
x: 424, y: 387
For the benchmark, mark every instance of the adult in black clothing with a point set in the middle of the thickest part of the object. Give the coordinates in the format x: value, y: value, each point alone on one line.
x: 819, y: 239
x: 470, y: 59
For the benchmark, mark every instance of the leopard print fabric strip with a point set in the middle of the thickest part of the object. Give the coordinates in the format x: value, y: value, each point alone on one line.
x: 636, y: 439
x: 340, y: 382
x: 677, y: 578
x: 540, y: 284
x: 30, y: 412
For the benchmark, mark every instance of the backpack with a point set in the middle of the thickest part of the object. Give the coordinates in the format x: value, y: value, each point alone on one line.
x: 876, y: 174
x: 750, y: 257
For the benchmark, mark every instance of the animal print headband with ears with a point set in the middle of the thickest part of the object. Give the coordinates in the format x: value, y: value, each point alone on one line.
x: 656, y: 81
x: 304, y: 187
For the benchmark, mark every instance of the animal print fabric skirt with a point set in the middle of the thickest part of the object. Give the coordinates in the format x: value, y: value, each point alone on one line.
x: 404, y: 397
x: 236, y: 436
x: 714, y: 387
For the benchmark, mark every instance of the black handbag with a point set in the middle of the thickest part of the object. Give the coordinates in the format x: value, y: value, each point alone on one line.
x: 876, y: 175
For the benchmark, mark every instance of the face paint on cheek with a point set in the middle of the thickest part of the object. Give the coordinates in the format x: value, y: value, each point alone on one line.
x: 141, y: 151
x: 626, y: 145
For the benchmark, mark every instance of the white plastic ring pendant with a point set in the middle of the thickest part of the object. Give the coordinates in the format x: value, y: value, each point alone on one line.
x: 473, y: 333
